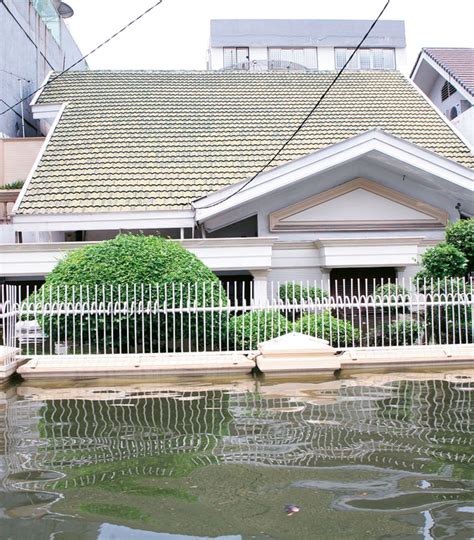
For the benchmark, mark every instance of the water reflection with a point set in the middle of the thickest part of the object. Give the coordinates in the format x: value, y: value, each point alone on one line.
x: 169, y: 455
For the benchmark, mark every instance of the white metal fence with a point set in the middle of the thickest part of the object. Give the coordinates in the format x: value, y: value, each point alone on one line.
x: 210, y: 316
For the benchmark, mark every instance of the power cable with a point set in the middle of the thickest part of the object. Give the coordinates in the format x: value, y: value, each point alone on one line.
x: 49, y: 81
x: 307, y: 117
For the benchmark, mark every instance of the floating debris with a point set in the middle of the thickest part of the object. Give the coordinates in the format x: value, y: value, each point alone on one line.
x: 291, y: 509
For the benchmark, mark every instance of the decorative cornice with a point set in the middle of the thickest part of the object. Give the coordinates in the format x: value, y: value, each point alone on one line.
x: 436, y: 218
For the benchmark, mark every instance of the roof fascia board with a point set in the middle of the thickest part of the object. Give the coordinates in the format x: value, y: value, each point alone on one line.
x: 38, y: 159
x: 321, y: 160
x: 166, y: 219
x: 450, y: 78
x: 416, y: 66
x: 45, y: 110
x: 41, y: 88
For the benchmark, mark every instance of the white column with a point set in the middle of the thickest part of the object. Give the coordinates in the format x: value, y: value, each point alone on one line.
x: 260, y: 286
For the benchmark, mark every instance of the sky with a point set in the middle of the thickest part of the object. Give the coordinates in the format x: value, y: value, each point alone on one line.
x: 175, y: 35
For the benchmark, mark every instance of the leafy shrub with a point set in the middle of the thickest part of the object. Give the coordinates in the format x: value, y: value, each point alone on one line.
x: 443, y: 260
x: 461, y: 236
x: 298, y: 293
x: 328, y: 327
x: 403, y: 332
x: 17, y: 184
x: 115, y: 271
x: 449, y: 319
x: 248, y: 330
x: 393, y: 293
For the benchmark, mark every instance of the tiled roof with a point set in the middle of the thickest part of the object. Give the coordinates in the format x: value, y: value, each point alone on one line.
x: 457, y: 62
x: 144, y: 140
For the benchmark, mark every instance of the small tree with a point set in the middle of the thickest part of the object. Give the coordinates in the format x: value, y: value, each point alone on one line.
x: 443, y: 260
x: 461, y: 236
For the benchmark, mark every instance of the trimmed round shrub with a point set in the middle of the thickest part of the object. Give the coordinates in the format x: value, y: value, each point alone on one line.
x: 246, y: 331
x: 403, y: 332
x: 136, y: 272
x: 325, y: 326
x: 297, y: 293
x: 443, y: 260
x: 461, y: 236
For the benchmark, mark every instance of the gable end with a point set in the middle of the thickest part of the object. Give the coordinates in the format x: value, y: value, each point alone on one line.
x: 358, y: 205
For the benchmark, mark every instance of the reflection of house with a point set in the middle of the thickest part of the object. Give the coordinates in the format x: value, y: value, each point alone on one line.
x: 369, y: 182
x: 286, y: 44
x: 446, y: 76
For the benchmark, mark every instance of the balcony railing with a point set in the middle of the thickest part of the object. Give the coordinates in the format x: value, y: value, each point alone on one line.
x: 8, y: 198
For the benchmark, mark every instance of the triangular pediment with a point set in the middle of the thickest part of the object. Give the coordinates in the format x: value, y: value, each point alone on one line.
x: 358, y: 205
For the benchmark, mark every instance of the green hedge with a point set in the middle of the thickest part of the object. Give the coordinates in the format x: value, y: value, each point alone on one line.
x: 298, y: 293
x: 330, y: 328
x: 248, y: 330
x: 404, y: 332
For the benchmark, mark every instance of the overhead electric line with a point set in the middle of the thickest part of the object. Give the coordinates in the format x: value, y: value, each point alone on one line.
x: 306, y: 118
x: 51, y: 79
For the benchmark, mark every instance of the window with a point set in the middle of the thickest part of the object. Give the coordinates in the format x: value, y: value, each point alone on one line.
x: 283, y: 58
x: 447, y: 90
x: 50, y: 16
x: 236, y: 57
x: 453, y: 113
x: 366, y: 59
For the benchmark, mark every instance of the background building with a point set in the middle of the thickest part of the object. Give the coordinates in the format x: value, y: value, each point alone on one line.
x: 34, y: 40
x: 260, y: 44
x: 446, y: 77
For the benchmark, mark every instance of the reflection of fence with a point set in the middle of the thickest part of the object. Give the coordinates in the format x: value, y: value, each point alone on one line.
x: 198, y: 317
x: 405, y: 425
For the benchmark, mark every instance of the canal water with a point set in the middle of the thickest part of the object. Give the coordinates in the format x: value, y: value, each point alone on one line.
x: 362, y: 457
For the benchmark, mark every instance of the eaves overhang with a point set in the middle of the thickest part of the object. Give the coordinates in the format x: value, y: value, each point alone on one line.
x: 375, y: 143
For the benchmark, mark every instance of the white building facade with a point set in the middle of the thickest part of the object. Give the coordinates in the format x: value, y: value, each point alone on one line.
x: 446, y: 77
x: 259, y: 44
x: 35, y: 39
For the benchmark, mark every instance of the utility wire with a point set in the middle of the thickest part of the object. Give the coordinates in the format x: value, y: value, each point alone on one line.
x: 306, y: 118
x: 51, y: 79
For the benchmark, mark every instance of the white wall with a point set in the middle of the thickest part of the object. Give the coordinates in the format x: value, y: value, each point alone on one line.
x: 28, y: 52
x: 326, y: 60
x: 465, y: 124
x: 401, y: 61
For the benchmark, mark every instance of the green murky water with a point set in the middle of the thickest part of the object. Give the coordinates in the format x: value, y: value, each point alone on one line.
x: 378, y: 456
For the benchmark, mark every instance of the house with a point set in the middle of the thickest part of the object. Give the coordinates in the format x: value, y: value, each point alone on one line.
x: 363, y: 189
x: 35, y: 40
x: 295, y: 44
x: 446, y: 77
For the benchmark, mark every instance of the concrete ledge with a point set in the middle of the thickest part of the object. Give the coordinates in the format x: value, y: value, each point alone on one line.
x: 134, y: 365
x: 8, y: 362
x: 369, y: 358
x: 396, y: 357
